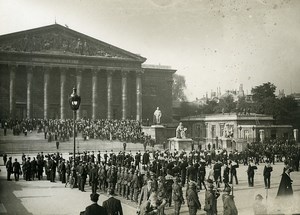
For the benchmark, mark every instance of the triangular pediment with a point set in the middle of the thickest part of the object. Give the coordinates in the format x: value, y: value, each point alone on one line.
x: 59, y: 40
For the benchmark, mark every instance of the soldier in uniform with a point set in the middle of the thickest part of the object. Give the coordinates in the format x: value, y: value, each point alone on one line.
x: 135, y: 186
x: 192, y: 198
x: 211, y: 196
x: 168, y: 185
x: 229, y: 207
x: 124, y: 182
x: 177, y: 195
x: 121, y: 181
x: 202, y: 173
x: 129, y: 183
x: 119, y: 173
x: 83, y: 176
x: 94, y: 178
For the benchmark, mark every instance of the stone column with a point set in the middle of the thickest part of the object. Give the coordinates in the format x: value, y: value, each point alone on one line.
x: 296, y: 135
x: 29, y: 84
x: 12, y: 80
x: 78, y: 87
x: 124, y: 94
x: 46, y: 84
x: 262, y: 135
x: 62, y: 92
x: 109, y: 94
x: 139, y: 104
x: 94, y: 93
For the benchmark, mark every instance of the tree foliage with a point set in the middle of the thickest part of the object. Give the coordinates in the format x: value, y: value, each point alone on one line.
x: 178, y: 88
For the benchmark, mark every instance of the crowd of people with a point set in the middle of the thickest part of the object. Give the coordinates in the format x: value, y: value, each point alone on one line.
x: 62, y: 130
x: 153, y: 180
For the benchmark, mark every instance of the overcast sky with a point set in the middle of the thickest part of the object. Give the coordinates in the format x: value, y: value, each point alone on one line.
x: 213, y: 43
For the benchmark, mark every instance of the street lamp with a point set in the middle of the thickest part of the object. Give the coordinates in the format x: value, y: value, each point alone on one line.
x: 253, y: 128
x: 74, y: 101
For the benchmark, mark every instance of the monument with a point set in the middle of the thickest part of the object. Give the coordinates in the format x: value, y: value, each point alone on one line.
x: 156, y: 130
x: 156, y: 116
x: 180, y: 141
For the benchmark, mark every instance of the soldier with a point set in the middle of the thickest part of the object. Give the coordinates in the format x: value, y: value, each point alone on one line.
x: 135, y: 186
x: 193, y: 199
x: 211, y: 196
x: 177, y: 195
x: 161, y: 193
x: 119, y: 173
x: 120, y: 179
x: 94, y: 178
x: 129, y: 183
x: 217, y: 173
x: 202, y: 173
x: 83, y: 176
x: 168, y: 185
x: 124, y: 182
x: 229, y: 207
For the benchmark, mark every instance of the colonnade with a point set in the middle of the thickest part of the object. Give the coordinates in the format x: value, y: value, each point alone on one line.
x: 63, y: 96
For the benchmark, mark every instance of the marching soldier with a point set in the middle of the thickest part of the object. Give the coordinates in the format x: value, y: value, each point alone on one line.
x: 119, y: 173
x: 229, y: 207
x: 211, y: 196
x: 129, y: 184
x: 202, y: 173
x: 135, y: 186
x: 177, y: 196
x: 192, y: 198
x: 124, y: 182
x: 94, y: 178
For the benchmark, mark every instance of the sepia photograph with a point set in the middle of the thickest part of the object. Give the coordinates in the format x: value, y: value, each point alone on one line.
x: 149, y: 107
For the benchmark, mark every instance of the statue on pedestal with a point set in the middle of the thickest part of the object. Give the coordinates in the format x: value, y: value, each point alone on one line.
x: 157, y: 115
x: 180, y: 131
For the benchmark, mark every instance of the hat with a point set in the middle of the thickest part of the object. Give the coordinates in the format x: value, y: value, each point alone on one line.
x: 94, y: 197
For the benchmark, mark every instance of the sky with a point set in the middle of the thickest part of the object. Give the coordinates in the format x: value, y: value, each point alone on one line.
x: 212, y: 43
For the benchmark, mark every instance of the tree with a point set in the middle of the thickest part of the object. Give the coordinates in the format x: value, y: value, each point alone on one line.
x: 226, y: 105
x: 264, y: 98
x: 178, y: 88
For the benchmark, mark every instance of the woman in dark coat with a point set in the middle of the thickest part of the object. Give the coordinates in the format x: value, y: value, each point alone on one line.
x: 285, y: 186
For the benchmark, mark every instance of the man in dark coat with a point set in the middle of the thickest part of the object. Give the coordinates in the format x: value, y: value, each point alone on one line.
x: 95, y: 209
x: 16, y: 169
x: 285, y: 186
x: 9, y: 168
x: 112, y: 205
x: 267, y: 174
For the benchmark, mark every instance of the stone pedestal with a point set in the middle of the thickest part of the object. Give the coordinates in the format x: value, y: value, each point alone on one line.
x: 156, y: 132
x: 180, y: 144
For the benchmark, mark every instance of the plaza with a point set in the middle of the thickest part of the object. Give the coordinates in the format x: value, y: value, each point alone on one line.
x: 43, y: 197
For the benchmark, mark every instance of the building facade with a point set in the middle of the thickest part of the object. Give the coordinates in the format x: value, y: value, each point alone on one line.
x: 39, y: 68
x: 228, y: 130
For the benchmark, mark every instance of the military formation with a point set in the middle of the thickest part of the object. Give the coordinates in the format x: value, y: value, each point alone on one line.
x: 155, y: 180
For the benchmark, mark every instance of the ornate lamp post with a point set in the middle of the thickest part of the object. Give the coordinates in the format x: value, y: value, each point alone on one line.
x: 74, y: 101
x: 253, y: 128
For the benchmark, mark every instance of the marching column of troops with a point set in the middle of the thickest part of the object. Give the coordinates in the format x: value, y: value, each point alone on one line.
x: 153, y: 182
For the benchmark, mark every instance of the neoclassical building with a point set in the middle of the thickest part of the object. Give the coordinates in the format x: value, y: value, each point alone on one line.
x: 39, y: 67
